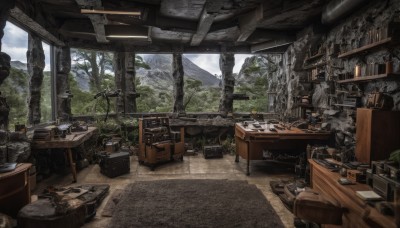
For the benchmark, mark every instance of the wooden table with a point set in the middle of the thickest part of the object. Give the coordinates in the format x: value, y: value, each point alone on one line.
x: 70, y: 141
x: 251, y: 141
x: 326, y: 182
x: 15, y: 190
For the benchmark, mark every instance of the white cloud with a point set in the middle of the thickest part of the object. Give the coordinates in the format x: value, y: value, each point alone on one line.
x: 15, y: 44
x: 239, y: 60
x: 209, y: 62
x: 16, y: 53
x: 46, y: 50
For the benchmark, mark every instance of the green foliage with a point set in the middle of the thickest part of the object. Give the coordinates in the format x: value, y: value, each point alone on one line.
x: 45, y: 99
x: 258, y: 97
x: 139, y: 63
x: 228, y: 145
x: 16, y: 83
x: 95, y: 64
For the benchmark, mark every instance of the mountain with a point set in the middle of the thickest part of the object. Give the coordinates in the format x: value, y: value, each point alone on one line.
x: 159, y: 75
x: 19, y: 65
x: 260, y: 66
x: 81, y: 78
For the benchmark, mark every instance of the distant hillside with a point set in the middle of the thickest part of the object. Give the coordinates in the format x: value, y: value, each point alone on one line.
x: 19, y: 65
x: 159, y: 75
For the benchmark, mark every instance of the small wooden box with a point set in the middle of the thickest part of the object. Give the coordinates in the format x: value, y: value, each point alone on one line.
x: 356, y: 176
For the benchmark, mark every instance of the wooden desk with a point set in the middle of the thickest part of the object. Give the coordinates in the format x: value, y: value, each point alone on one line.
x: 70, y: 141
x: 325, y: 182
x: 250, y: 141
x: 15, y: 190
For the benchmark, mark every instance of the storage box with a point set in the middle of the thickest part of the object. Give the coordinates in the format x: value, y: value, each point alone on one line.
x: 314, y: 207
x: 116, y: 164
x: 212, y: 151
x: 356, y: 176
x: 111, y: 146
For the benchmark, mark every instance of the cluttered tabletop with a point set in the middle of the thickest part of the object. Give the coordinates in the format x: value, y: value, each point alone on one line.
x: 68, y: 140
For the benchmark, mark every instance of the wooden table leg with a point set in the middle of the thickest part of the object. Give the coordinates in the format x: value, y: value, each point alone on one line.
x: 248, y: 159
x: 72, y: 164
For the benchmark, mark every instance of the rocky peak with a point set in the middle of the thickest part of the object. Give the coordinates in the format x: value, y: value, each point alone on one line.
x: 161, y: 65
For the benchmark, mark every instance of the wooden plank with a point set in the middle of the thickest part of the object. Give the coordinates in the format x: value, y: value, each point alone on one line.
x: 18, y: 16
x: 22, y: 167
x: 393, y: 76
x: 365, y: 48
x: 314, y: 65
x: 248, y: 23
x: 203, y: 27
x: 314, y: 56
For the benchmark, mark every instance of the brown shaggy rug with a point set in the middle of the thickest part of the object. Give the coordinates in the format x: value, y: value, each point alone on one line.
x: 194, y: 203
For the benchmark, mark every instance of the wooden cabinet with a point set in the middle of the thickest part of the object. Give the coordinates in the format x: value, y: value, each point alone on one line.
x: 355, y: 214
x: 158, y: 142
x: 377, y: 134
x: 15, y: 189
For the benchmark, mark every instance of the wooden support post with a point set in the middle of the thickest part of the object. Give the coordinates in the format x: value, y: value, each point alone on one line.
x: 119, y: 69
x: 226, y: 63
x: 129, y: 83
x: 36, y: 64
x: 177, y: 74
x: 63, y: 67
x: 71, y: 164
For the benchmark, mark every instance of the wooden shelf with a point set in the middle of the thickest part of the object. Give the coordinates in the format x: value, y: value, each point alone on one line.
x: 314, y: 57
x: 370, y: 78
x: 314, y: 66
x: 365, y: 48
x: 303, y: 105
x: 344, y: 105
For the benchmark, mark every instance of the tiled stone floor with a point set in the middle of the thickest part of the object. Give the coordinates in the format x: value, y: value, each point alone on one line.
x: 193, y: 167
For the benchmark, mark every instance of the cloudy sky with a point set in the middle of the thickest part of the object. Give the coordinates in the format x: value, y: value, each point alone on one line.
x: 15, y: 44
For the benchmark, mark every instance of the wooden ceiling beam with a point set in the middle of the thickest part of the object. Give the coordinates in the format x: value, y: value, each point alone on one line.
x: 203, y: 27
x: 248, y: 23
x: 20, y: 18
x: 98, y: 20
x: 270, y: 45
x: 262, y: 35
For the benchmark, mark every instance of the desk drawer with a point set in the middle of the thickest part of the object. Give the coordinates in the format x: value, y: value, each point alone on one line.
x: 13, y: 184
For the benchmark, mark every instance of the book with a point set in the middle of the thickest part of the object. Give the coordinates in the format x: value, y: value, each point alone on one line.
x: 368, y: 195
x: 345, y: 181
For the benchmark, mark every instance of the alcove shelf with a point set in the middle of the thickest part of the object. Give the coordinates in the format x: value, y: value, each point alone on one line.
x: 392, y: 76
x: 366, y: 48
x: 308, y: 67
x: 314, y: 56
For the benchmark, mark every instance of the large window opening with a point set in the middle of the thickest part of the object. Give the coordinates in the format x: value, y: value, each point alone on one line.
x: 92, y: 72
x: 154, y: 83
x: 15, y: 44
x: 252, y: 79
x: 15, y: 87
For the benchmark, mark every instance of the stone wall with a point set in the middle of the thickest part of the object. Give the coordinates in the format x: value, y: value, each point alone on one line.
x: 346, y: 35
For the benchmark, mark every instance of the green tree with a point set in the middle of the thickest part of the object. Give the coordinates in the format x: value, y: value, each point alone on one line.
x: 45, y: 99
x: 16, y: 83
x: 192, y: 87
x: 94, y: 64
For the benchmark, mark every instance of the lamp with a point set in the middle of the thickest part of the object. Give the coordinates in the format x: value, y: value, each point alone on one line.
x: 115, y: 12
x: 124, y: 31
